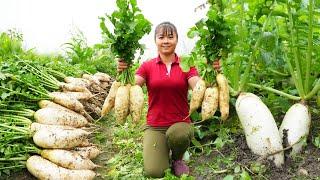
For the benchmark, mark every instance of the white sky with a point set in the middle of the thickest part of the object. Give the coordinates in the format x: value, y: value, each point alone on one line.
x: 47, y: 24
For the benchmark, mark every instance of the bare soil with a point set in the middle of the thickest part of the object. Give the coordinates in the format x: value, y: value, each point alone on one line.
x: 217, y: 166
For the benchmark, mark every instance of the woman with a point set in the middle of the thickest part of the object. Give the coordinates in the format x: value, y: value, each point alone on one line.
x: 167, y: 129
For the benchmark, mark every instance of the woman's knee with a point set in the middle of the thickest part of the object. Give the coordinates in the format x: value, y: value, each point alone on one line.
x: 179, y: 133
x: 155, y: 171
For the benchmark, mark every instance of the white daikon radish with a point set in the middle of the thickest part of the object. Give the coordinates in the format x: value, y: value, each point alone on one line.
x: 91, y: 78
x: 79, y: 95
x: 210, y: 103
x: 197, y: 95
x: 67, y: 101
x: 295, y: 125
x: 109, y: 101
x: 85, y: 143
x: 121, y: 104
x: 44, y: 169
x: 90, y: 152
x: 68, y: 159
x: 59, y: 138
x: 102, y: 77
x: 70, y: 103
x: 34, y: 127
x: 77, y: 81
x: 223, y: 96
x: 136, y: 102
x: 260, y: 128
x: 56, y: 116
x: 46, y: 103
x: 72, y: 88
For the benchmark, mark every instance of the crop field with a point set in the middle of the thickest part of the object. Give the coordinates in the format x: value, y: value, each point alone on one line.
x: 74, y: 115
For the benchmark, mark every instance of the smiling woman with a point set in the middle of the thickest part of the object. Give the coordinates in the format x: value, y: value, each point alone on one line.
x: 167, y: 128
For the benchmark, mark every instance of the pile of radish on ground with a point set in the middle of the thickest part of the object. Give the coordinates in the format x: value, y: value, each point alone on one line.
x: 56, y: 136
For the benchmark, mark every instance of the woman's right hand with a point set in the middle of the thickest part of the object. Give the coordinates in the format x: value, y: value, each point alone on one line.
x: 121, y: 65
x: 216, y: 65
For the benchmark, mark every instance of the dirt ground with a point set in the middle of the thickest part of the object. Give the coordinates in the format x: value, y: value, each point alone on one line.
x: 219, y: 164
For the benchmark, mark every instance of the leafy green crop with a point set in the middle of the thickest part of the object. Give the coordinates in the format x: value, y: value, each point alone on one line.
x: 129, y: 27
x: 214, y: 39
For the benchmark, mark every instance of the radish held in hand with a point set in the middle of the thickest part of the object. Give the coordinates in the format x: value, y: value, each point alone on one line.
x: 197, y: 95
x: 109, y: 101
x: 209, y: 103
x: 67, y: 159
x: 136, y: 102
x: 261, y: 131
x: 295, y: 125
x: 44, y: 169
x: 121, y: 105
x: 223, y: 96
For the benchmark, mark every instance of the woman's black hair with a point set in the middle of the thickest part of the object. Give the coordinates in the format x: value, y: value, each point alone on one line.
x: 166, y: 27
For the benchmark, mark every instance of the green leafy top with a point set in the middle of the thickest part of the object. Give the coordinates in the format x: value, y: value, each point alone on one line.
x: 213, y: 32
x: 129, y: 27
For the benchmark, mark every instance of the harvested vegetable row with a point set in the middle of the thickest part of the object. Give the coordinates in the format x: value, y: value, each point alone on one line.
x: 129, y: 27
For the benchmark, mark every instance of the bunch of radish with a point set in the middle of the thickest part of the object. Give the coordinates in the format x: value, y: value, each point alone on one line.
x: 209, y: 98
x: 124, y: 96
x: 124, y: 99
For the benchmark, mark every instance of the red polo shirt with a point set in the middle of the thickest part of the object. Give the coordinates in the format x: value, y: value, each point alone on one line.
x: 167, y: 92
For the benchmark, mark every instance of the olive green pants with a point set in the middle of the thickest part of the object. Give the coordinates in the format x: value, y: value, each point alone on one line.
x: 157, y: 143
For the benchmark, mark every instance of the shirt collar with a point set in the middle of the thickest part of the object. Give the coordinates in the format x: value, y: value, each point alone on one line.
x: 176, y: 59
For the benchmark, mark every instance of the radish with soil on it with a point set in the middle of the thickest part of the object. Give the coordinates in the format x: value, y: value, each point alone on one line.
x: 295, y: 125
x: 136, y: 102
x: 90, y: 152
x: 68, y: 159
x: 210, y: 102
x: 58, y: 116
x: 223, y: 96
x: 45, y: 136
x: 122, y: 103
x: 44, y: 169
x: 110, y: 100
x: 197, y: 95
x: 260, y: 129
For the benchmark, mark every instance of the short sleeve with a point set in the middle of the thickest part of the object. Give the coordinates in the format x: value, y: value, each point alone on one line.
x: 192, y: 72
x: 142, y: 71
